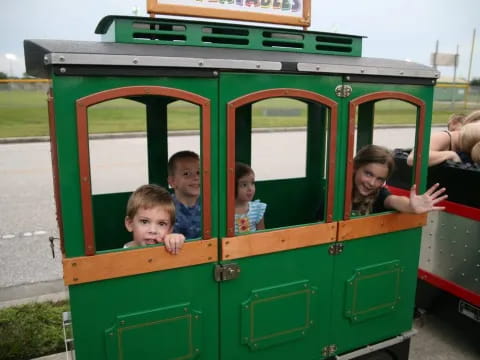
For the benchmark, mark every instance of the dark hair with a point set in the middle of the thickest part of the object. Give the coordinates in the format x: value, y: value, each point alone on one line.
x: 185, y: 154
x: 241, y: 170
x: 374, y: 154
x: 367, y: 155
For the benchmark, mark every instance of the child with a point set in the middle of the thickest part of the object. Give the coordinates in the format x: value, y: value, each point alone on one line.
x: 446, y: 145
x: 150, y: 217
x: 248, y: 213
x: 372, y: 166
x: 184, y: 178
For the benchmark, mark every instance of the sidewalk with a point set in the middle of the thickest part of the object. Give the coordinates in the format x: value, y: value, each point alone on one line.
x: 59, y: 356
x: 36, y: 292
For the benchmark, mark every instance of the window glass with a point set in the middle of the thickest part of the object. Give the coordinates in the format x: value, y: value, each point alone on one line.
x: 117, y: 163
x: 377, y: 123
x: 279, y: 138
x: 137, y: 139
x: 283, y: 141
x: 183, y: 127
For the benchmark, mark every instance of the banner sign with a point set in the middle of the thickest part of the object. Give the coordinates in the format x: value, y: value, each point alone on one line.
x: 442, y: 59
x: 288, y: 12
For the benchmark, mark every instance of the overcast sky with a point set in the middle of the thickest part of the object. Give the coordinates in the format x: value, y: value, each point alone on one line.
x: 401, y: 29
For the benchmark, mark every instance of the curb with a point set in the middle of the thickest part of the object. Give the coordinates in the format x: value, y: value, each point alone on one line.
x: 54, y: 290
x: 59, y: 356
x: 39, y: 139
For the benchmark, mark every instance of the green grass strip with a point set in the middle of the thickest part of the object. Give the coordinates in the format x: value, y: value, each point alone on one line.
x: 24, y: 113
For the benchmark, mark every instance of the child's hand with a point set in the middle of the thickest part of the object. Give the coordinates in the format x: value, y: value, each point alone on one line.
x: 173, y: 243
x: 427, y: 202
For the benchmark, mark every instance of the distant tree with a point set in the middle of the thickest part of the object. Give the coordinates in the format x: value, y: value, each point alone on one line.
x: 475, y: 82
x: 3, y: 75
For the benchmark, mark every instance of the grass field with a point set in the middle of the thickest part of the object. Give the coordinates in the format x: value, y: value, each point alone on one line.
x: 24, y: 113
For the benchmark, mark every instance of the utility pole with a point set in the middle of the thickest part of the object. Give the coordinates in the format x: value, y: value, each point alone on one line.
x: 435, y: 56
x: 454, y: 89
x: 469, y: 70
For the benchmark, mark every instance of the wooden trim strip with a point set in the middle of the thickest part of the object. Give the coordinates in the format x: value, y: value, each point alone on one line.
x: 332, y: 161
x: 85, y: 179
x: 84, y: 157
x: 349, y: 170
x: 307, y: 14
x: 206, y: 159
x: 153, y: 7
x: 278, y: 240
x: 54, y: 158
x: 231, y: 118
x: 266, y: 94
x: 419, y: 144
x: 87, y: 269
x: 376, y: 96
x: 378, y: 224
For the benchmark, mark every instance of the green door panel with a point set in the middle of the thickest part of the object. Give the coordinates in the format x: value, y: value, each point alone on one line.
x: 139, y: 335
x: 373, y: 291
x: 279, y: 307
x: 278, y: 314
x: 374, y: 288
x: 163, y: 315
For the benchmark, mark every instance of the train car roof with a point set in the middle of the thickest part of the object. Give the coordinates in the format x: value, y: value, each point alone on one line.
x: 85, y: 57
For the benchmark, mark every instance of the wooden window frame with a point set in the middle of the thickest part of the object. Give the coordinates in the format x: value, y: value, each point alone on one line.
x: 251, y: 98
x: 376, y: 96
x: 82, y: 106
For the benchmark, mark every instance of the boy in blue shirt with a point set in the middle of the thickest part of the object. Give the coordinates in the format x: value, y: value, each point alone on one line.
x: 184, y: 178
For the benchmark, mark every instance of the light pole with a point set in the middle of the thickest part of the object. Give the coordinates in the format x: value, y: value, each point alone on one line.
x: 11, y: 58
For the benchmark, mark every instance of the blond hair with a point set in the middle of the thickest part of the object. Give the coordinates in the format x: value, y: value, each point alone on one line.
x: 455, y: 120
x: 469, y: 136
x: 149, y: 196
x: 474, y: 116
x: 475, y: 153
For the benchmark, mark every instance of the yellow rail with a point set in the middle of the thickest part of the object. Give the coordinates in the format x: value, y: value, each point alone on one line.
x: 462, y: 86
x: 24, y: 80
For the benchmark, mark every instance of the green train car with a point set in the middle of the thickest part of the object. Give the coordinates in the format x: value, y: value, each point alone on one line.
x: 337, y: 287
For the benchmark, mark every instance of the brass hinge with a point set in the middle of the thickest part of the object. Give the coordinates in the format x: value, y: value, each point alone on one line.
x: 335, y: 249
x: 329, y: 350
x: 224, y: 272
x: 343, y: 91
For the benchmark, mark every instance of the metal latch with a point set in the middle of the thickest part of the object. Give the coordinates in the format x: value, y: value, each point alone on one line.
x: 343, y: 91
x: 224, y: 272
x: 335, y: 249
x: 329, y: 350
x: 52, y: 245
